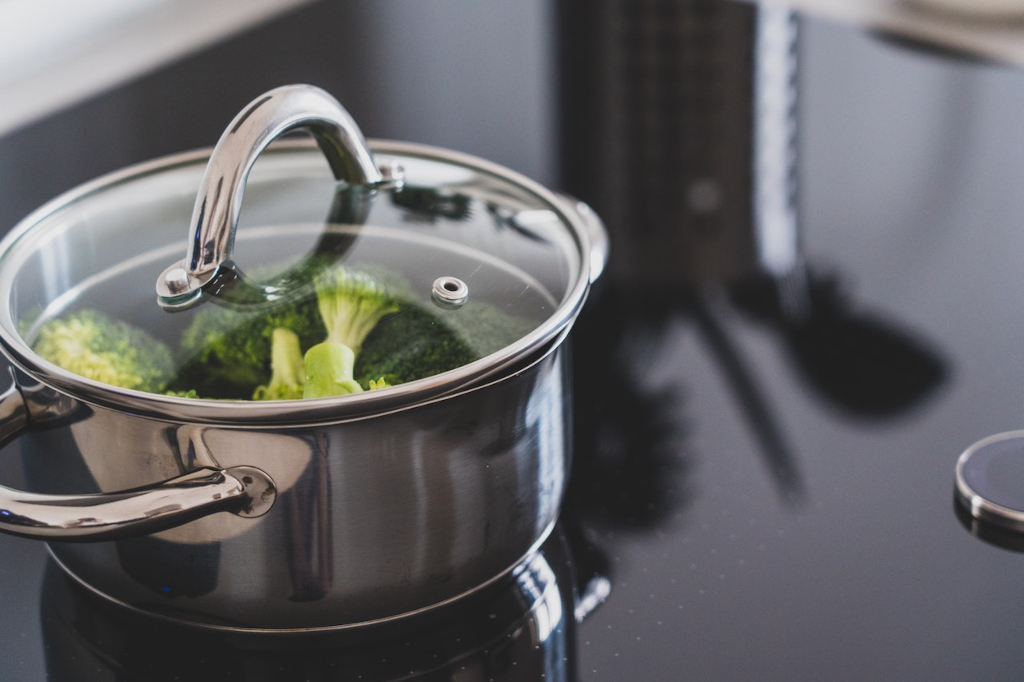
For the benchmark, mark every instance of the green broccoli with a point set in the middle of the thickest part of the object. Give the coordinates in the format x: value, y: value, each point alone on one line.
x: 485, y: 328
x: 409, y: 345
x: 226, y: 353
x: 286, y: 365
x: 95, y: 346
x: 329, y: 371
x: 351, y: 304
x: 191, y: 393
x: 421, y: 341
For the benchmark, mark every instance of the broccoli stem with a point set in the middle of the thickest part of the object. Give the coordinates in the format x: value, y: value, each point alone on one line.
x: 351, y: 304
x: 329, y: 368
x: 286, y: 366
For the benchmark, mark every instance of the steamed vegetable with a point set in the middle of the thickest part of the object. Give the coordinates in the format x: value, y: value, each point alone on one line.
x: 100, y: 348
x: 409, y: 345
x: 288, y: 374
x: 357, y: 333
x: 419, y: 341
x: 191, y: 393
x: 351, y: 304
x: 226, y: 353
x: 485, y: 328
x: 329, y: 371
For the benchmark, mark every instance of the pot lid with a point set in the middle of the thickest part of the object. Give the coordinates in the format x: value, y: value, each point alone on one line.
x: 990, y: 487
x: 435, y: 269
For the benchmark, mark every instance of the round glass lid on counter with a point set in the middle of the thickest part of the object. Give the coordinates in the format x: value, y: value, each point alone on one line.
x: 990, y: 484
x: 437, y: 271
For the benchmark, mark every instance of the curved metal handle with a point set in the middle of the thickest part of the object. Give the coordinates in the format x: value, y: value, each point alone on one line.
x: 215, y: 215
x: 246, y: 491
x: 231, y: 287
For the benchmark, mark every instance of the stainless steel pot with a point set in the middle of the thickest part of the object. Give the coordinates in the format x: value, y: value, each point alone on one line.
x: 302, y: 514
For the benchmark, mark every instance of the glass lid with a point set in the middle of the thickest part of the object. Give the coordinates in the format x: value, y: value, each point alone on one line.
x: 408, y: 272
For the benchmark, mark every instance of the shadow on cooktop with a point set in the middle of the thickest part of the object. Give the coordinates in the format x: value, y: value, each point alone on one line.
x: 632, y: 458
x: 864, y: 365
x: 631, y: 461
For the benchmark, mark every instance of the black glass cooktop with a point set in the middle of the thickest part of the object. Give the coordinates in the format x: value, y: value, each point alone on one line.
x: 767, y: 493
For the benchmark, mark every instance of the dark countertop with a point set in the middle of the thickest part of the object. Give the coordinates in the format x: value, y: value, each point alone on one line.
x: 765, y: 511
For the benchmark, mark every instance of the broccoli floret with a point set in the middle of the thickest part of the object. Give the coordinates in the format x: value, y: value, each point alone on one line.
x: 226, y: 353
x: 420, y: 341
x: 286, y: 366
x: 191, y: 393
x: 351, y: 304
x: 95, y: 346
x: 409, y: 345
x: 486, y: 328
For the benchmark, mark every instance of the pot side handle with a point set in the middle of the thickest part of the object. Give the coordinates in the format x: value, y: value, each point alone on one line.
x: 243, y: 490
x: 597, y: 234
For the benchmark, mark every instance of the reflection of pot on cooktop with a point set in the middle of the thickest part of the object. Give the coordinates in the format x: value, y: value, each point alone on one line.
x: 523, y: 629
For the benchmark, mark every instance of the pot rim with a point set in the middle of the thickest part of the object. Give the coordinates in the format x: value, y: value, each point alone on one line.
x: 485, y: 370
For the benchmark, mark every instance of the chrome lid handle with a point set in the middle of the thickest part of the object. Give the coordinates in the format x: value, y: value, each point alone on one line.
x: 211, y: 231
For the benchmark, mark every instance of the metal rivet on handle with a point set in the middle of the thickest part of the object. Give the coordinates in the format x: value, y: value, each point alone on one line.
x: 176, y: 280
x: 392, y: 174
